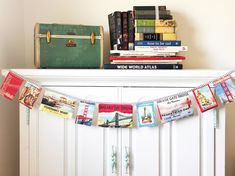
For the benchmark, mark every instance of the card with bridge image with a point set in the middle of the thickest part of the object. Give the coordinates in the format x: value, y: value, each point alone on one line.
x: 115, y: 115
x: 85, y: 113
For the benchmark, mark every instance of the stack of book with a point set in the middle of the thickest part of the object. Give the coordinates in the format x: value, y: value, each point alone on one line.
x: 155, y: 41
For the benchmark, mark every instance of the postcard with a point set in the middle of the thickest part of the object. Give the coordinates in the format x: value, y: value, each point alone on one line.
x: 175, y: 107
x: 146, y: 114
x: 11, y: 85
x: 85, y: 113
x: 225, y: 89
x: 58, y: 104
x: 29, y: 94
x: 115, y: 115
x: 205, y: 98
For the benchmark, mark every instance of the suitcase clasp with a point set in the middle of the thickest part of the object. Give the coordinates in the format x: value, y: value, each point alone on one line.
x: 48, y: 36
x: 92, y: 38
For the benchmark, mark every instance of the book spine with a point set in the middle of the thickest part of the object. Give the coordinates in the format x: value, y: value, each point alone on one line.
x: 131, y: 31
x: 164, y: 12
x: 112, y: 31
x: 158, y: 43
x: 162, y: 8
x: 164, y: 29
x: 161, y: 48
x: 165, y: 17
x: 143, y: 66
x: 144, y: 7
x: 145, y: 29
x: 145, y: 12
x: 165, y: 23
x: 169, y: 36
x: 152, y: 58
x: 125, y: 30
x: 144, y: 22
x: 147, y: 36
x: 118, y: 29
x: 140, y: 53
x: 153, y: 17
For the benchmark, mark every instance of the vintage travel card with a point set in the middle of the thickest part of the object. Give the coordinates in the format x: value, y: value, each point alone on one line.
x: 115, y: 115
x: 11, y: 85
x: 29, y: 94
x: 225, y: 89
x: 175, y: 107
x: 85, y: 113
x: 146, y: 114
x: 205, y: 98
x: 58, y: 104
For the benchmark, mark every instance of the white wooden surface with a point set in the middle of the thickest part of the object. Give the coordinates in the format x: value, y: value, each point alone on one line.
x: 52, y: 146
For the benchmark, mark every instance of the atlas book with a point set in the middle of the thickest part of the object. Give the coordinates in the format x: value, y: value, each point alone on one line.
x: 115, y: 115
x: 143, y: 66
x: 85, y: 113
x: 225, y: 89
x: 58, y: 104
x: 205, y: 98
x: 11, y: 85
x: 175, y: 107
x: 29, y: 94
x: 146, y: 114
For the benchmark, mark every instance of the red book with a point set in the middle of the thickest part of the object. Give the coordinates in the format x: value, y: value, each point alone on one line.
x: 136, y: 58
x: 11, y: 85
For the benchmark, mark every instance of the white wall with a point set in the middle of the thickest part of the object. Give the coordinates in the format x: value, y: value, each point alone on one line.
x: 11, y: 56
x: 207, y: 27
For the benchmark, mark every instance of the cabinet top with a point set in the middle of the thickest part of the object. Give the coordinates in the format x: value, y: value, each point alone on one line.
x: 113, y: 78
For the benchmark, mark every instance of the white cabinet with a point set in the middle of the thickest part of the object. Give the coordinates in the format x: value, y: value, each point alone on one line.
x: 52, y: 146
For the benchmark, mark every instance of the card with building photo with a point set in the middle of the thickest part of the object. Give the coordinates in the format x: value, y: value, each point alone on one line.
x: 115, y: 115
x: 175, y: 107
x: 29, y: 94
x: 85, y: 112
x: 205, y: 98
x: 58, y: 104
x: 146, y: 114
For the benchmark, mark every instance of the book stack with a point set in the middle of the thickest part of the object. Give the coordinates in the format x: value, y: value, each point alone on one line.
x: 155, y: 41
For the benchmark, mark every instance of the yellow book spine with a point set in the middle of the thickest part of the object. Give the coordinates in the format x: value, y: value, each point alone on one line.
x: 164, y: 29
x: 169, y: 36
x: 165, y: 23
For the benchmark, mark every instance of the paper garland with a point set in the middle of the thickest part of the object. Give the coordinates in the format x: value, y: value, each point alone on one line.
x: 149, y: 113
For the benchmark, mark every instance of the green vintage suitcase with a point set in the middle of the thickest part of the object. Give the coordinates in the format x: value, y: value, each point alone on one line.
x: 68, y: 46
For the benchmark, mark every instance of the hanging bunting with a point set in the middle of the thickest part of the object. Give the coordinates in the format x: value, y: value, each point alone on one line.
x: 115, y: 115
x: 58, y: 104
x: 225, y: 89
x: 205, y: 98
x: 29, y: 94
x: 175, y: 107
x: 85, y: 113
x: 11, y: 85
x: 146, y: 114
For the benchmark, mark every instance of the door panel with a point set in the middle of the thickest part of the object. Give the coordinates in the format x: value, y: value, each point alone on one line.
x: 172, y: 149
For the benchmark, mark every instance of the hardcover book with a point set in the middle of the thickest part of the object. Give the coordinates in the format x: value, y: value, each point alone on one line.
x: 205, y: 98
x: 29, y: 94
x: 146, y: 114
x: 143, y: 66
x: 175, y: 107
x: 225, y: 89
x: 146, y: 58
x: 11, y: 85
x: 58, y: 104
x: 147, y: 36
x: 161, y: 48
x: 85, y: 113
x: 158, y: 43
x: 115, y: 115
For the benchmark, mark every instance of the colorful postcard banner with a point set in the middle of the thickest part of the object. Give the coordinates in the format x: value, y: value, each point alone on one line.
x: 115, y: 115
x: 85, y: 113
x: 205, y: 98
x: 58, y: 104
x: 225, y: 89
x: 146, y: 114
x: 175, y: 107
x: 11, y: 85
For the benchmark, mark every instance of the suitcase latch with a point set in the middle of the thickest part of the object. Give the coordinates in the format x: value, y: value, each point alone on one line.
x: 92, y: 38
x: 48, y: 36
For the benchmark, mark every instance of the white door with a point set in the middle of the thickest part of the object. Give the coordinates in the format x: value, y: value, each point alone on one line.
x: 180, y: 148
